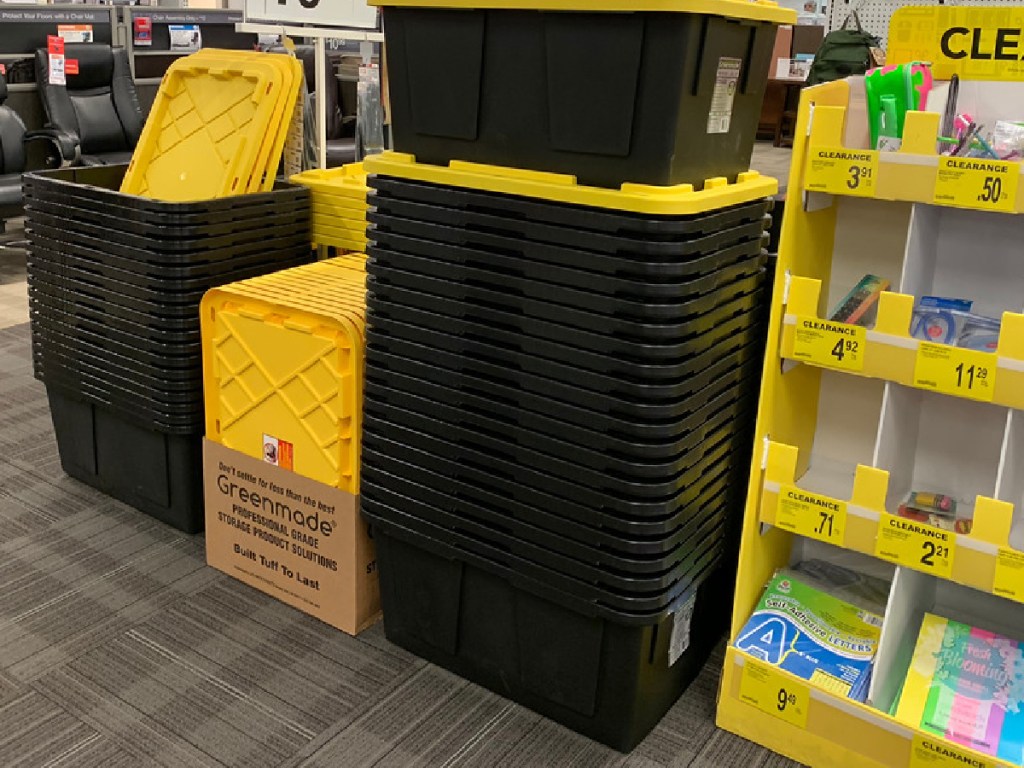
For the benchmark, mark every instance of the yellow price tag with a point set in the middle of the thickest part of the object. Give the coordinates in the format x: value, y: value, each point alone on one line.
x: 955, y: 371
x: 829, y: 344
x: 1009, y: 581
x: 841, y: 171
x: 766, y: 688
x: 977, y: 183
x: 811, y: 515
x: 916, y: 545
x: 935, y: 752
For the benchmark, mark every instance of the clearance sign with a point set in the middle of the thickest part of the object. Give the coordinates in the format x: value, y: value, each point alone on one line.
x: 976, y: 43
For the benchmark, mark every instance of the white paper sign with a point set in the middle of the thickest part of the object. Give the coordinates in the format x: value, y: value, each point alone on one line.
x: 56, y: 74
x: 324, y: 13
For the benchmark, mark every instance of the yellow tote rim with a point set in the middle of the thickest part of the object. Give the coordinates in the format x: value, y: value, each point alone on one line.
x: 759, y: 10
x: 679, y: 200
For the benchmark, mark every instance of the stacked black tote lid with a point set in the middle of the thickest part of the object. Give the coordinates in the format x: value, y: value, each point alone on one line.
x: 115, y: 283
x: 558, y: 399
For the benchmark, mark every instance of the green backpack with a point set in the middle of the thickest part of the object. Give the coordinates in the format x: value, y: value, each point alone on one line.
x: 843, y: 53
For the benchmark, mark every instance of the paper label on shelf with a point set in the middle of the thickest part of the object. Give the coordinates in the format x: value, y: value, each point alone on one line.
x: 812, y: 515
x: 727, y: 78
x: 977, y: 183
x: 931, y: 752
x: 829, y: 344
x: 680, y: 640
x: 772, y: 692
x: 955, y: 371
x: 916, y: 545
x: 839, y: 171
x: 1009, y: 580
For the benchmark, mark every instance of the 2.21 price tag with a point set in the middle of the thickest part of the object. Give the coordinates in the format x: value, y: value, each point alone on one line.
x: 829, y: 344
x: 842, y: 171
x: 977, y: 183
x: 955, y: 371
x: 915, y: 545
x: 765, y: 688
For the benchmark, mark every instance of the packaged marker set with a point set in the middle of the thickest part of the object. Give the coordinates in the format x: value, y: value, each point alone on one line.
x: 951, y: 321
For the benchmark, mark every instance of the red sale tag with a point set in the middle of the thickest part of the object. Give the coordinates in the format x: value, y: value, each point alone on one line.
x: 71, y: 66
x: 55, y: 45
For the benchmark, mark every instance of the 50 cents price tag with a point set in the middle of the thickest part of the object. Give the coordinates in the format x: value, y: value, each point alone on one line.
x: 955, y: 371
x: 768, y: 690
x: 842, y: 171
x: 977, y: 183
x: 915, y: 545
x: 811, y: 515
x: 935, y: 752
x: 829, y: 344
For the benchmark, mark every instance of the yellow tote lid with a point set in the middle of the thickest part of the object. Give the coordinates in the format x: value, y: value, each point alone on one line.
x: 760, y: 10
x: 679, y: 200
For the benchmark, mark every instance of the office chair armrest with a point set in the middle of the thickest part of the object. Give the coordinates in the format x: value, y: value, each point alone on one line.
x: 68, y: 149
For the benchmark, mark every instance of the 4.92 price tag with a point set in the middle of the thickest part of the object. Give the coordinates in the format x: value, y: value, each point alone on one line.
x: 829, y: 344
x: 770, y: 691
x: 809, y: 514
x: 955, y: 371
x: 915, y: 545
x: 840, y: 171
x: 977, y: 183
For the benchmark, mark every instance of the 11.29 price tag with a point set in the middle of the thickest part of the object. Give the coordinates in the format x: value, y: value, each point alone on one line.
x: 955, y: 371
x: 977, y: 183
x: 840, y: 171
x: 916, y: 545
x: 770, y: 691
x: 829, y: 344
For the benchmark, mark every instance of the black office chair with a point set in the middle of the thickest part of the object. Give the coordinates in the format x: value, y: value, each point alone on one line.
x: 96, y: 117
x: 341, y: 142
x: 12, y: 157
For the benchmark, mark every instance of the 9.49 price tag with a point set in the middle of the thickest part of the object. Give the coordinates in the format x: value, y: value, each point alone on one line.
x: 842, y: 171
x: 767, y: 689
x: 809, y: 514
x: 916, y: 545
x: 829, y: 344
x: 977, y: 183
x: 955, y: 371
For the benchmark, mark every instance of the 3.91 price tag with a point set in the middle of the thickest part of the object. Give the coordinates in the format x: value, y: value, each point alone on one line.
x: 842, y: 171
x: 915, y: 545
x: 977, y: 183
x: 809, y: 514
x: 955, y: 371
x: 829, y: 344
x: 767, y: 689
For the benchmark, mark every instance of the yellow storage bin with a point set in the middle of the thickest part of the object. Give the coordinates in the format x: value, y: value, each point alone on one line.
x: 283, y: 368
x: 346, y: 181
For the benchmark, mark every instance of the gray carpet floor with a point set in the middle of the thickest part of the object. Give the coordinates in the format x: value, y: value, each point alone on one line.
x: 119, y: 647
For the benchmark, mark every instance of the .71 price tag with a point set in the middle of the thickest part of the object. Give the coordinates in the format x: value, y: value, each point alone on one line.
x: 915, y: 545
x: 955, y: 371
x: 977, y: 183
x: 842, y: 171
x: 829, y: 344
x: 811, y: 515
x: 768, y: 690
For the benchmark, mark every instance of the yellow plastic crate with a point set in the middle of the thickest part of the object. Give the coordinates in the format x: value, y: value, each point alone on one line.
x: 283, y: 366
x: 205, y: 134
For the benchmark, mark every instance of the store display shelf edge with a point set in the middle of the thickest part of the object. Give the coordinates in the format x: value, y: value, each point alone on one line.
x: 891, y: 354
x: 827, y: 731
x: 915, y: 173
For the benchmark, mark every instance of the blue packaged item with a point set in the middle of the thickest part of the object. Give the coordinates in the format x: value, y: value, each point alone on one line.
x: 814, y: 635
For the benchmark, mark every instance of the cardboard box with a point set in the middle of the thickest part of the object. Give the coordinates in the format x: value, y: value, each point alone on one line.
x: 294, y: 538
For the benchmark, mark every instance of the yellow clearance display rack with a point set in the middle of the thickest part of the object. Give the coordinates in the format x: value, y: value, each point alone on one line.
x: 850, y: 419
